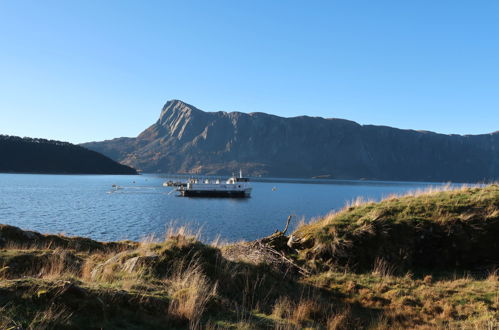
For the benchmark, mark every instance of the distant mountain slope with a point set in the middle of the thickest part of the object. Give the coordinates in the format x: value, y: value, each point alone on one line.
x: 27, y: 155
x: 188, y: 140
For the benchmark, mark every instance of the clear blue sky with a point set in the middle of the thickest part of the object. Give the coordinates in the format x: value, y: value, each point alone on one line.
x: 90, y: 70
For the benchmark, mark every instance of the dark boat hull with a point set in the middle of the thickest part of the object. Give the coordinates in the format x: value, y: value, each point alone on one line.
x: 208, y: 193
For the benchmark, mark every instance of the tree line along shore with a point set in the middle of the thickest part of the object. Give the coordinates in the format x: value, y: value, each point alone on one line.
x: 32, y: 155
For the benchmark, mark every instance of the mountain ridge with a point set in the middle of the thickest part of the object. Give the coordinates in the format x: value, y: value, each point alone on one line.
x: 186, y: 139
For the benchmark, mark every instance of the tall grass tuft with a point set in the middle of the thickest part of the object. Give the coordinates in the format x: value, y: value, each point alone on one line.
x: 190, y: 290
x: 340, y: 320
x: 382, y: 268
x: 50, y: 318
x: 60, y: 263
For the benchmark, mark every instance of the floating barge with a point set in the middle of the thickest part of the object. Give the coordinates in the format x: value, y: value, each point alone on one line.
x: 237, y: 187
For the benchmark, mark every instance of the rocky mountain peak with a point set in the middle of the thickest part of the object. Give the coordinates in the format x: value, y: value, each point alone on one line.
x: 176, y: 104
x: 175, y: 110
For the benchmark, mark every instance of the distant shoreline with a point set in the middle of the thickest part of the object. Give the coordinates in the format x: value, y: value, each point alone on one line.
x: 317, y: 180
x: 68, y: 173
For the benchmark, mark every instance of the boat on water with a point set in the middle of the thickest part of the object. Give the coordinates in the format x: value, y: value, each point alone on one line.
x: 171, y: 183
x: 233, y: 187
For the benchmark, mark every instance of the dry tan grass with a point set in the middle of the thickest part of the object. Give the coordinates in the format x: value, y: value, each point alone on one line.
x: 454, y: 303
x: 145, y: 244
x: 296, y: 314
x: 48, y: 318
x: 340, y: 320
x: 282, y: 308
x: 301, y: 222
x: 59, y: 265
x: 6, y: 322
x: 328, y: 218
x: 382, y: 268
x: 220, y: 243
x: 90, y: 263
x: 217, y: 242
x: 190, y: 290
x: 431, y: 190
x: 361, y: 201
x: 51, y: 264
x: 493, y: 276
x: 304, y: 311
x: 358, y: 201
x: 27, y: 246
x: 187, y: 231
x: 491, y: 322
x: 380, y: 323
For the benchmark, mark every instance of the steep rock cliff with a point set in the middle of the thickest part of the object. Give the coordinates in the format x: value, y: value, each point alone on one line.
x: 188, y: 140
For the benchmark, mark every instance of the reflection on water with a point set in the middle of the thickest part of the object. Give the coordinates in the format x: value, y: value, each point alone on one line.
x: 88, y: 205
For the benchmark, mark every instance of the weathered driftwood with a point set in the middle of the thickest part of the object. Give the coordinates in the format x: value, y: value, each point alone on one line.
x: 287, y: 224
x: 272, y: 250
x: 277, y: 245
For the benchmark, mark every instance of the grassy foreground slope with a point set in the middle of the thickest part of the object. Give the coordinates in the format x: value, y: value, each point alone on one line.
x: 432, y: 230
x: 420, y: 261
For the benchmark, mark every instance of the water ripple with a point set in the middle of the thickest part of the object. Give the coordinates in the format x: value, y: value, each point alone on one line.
x: 81, y: 205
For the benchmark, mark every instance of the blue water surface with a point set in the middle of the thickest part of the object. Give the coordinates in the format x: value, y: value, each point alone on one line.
x: 86, y: 205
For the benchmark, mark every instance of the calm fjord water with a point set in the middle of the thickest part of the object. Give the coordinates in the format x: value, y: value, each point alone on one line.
x: 83, y: 205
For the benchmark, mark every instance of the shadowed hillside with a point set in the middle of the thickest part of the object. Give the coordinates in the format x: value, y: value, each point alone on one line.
x: 419, y: 261
x: 188, y: 140
x: 28, y: 155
